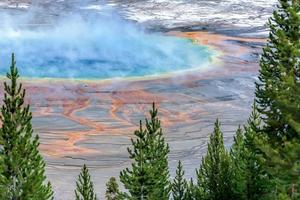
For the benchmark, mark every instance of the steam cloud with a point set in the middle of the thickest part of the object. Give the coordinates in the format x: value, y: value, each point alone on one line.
x: 94, y: 46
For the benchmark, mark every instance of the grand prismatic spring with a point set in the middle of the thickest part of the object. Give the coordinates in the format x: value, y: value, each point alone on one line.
x: 93, y: 68
x: 104, y: 48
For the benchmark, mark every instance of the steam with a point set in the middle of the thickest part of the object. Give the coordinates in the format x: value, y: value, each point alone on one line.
x: 95, y: 46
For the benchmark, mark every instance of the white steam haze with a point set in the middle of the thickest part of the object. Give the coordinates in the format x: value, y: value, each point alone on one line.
x: 92, y: 45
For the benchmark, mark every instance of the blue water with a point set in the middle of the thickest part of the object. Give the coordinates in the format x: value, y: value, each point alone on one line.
x: 101, y: 48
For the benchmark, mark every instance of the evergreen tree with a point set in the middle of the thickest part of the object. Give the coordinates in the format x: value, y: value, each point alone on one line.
x: 193, y: 192
x: 148, y: 177
x: 288, y: 101
x: 278, y: 99
x: 179, y: 186
x: 112, y: 189
x: 280, y: 58
x: 250, y: 179
x: 3, y: 183
x: 283, y: 164
x: 237, y: 154
x: 214, y: 175
x: 23, y: 168
x: 258, y: 183
x: 282, y: 161
x: 84, y: 186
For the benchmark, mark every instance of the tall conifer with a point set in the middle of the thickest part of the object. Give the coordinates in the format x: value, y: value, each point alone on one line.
x: 277, y: 95
x: 179, y: 186
x: 23, y: 168
x: 282, y: 161
x: 148, y: 177
x: 283, y: 164
x: 238, y: 153
x: 84, y: 186
x: 215, y: 174
x: 258, y: 183
x: 250, y: 180
x: 280, y: 58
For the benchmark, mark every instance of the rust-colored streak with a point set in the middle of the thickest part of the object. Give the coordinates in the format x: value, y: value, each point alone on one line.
x: 138, y: 97
x: 70, y: 108
x: 220, y: 42
x: 121, y: 104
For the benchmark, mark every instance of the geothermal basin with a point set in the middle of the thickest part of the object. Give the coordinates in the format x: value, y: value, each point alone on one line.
x: 91, y: 77
x: 101, y: 49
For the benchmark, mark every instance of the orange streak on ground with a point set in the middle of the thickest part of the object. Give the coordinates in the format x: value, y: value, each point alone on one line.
x: 123, y: 103
x: 208, y: 38
x: 217, y: 40
x: 43, y: 111
x: 115, y: 106
x: 70, y: 107
x: 74, y: 137
x: 169, y: 118
x: 138, y: 97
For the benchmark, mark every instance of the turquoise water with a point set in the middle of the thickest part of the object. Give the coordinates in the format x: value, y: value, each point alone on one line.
x: 102, y: 49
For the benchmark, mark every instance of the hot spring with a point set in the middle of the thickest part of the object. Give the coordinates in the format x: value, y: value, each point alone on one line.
x: 103, y: 48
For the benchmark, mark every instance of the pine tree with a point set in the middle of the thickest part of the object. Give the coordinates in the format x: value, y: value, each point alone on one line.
x: 258, y: 183
x: 193, y: 192
x: 282, y: 161
x: 278, y: 99
x: 214, y: 175
x: 112, y: 189
x: 283, y: 164
x: 279, y: 59
x: 148, y: 177
x: 288, y: 101
x: 237, y: 153
x: 179, y: 186
x: 84, y: 186
x: 23, y: 168
x: 3, y: 183
x: 250, y: 179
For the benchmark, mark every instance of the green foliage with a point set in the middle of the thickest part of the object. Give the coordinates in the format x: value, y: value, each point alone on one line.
x: 84, y: 186
x: 148, y: 177
x: 282, y: 161
x: 280, y: 59
x: 283, y: 164
x: 278, y: 97
x: 238, y: 155
x: 214, y: 175
x: 180, y: 185
x: 258, y: 183
x: 288, y: 102
x: 22, y: 167
x: 112, y: 189
x: 192, y: 191
x: 250, y: 179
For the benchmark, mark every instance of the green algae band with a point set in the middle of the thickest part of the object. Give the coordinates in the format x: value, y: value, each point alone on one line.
x: 106, y: 48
